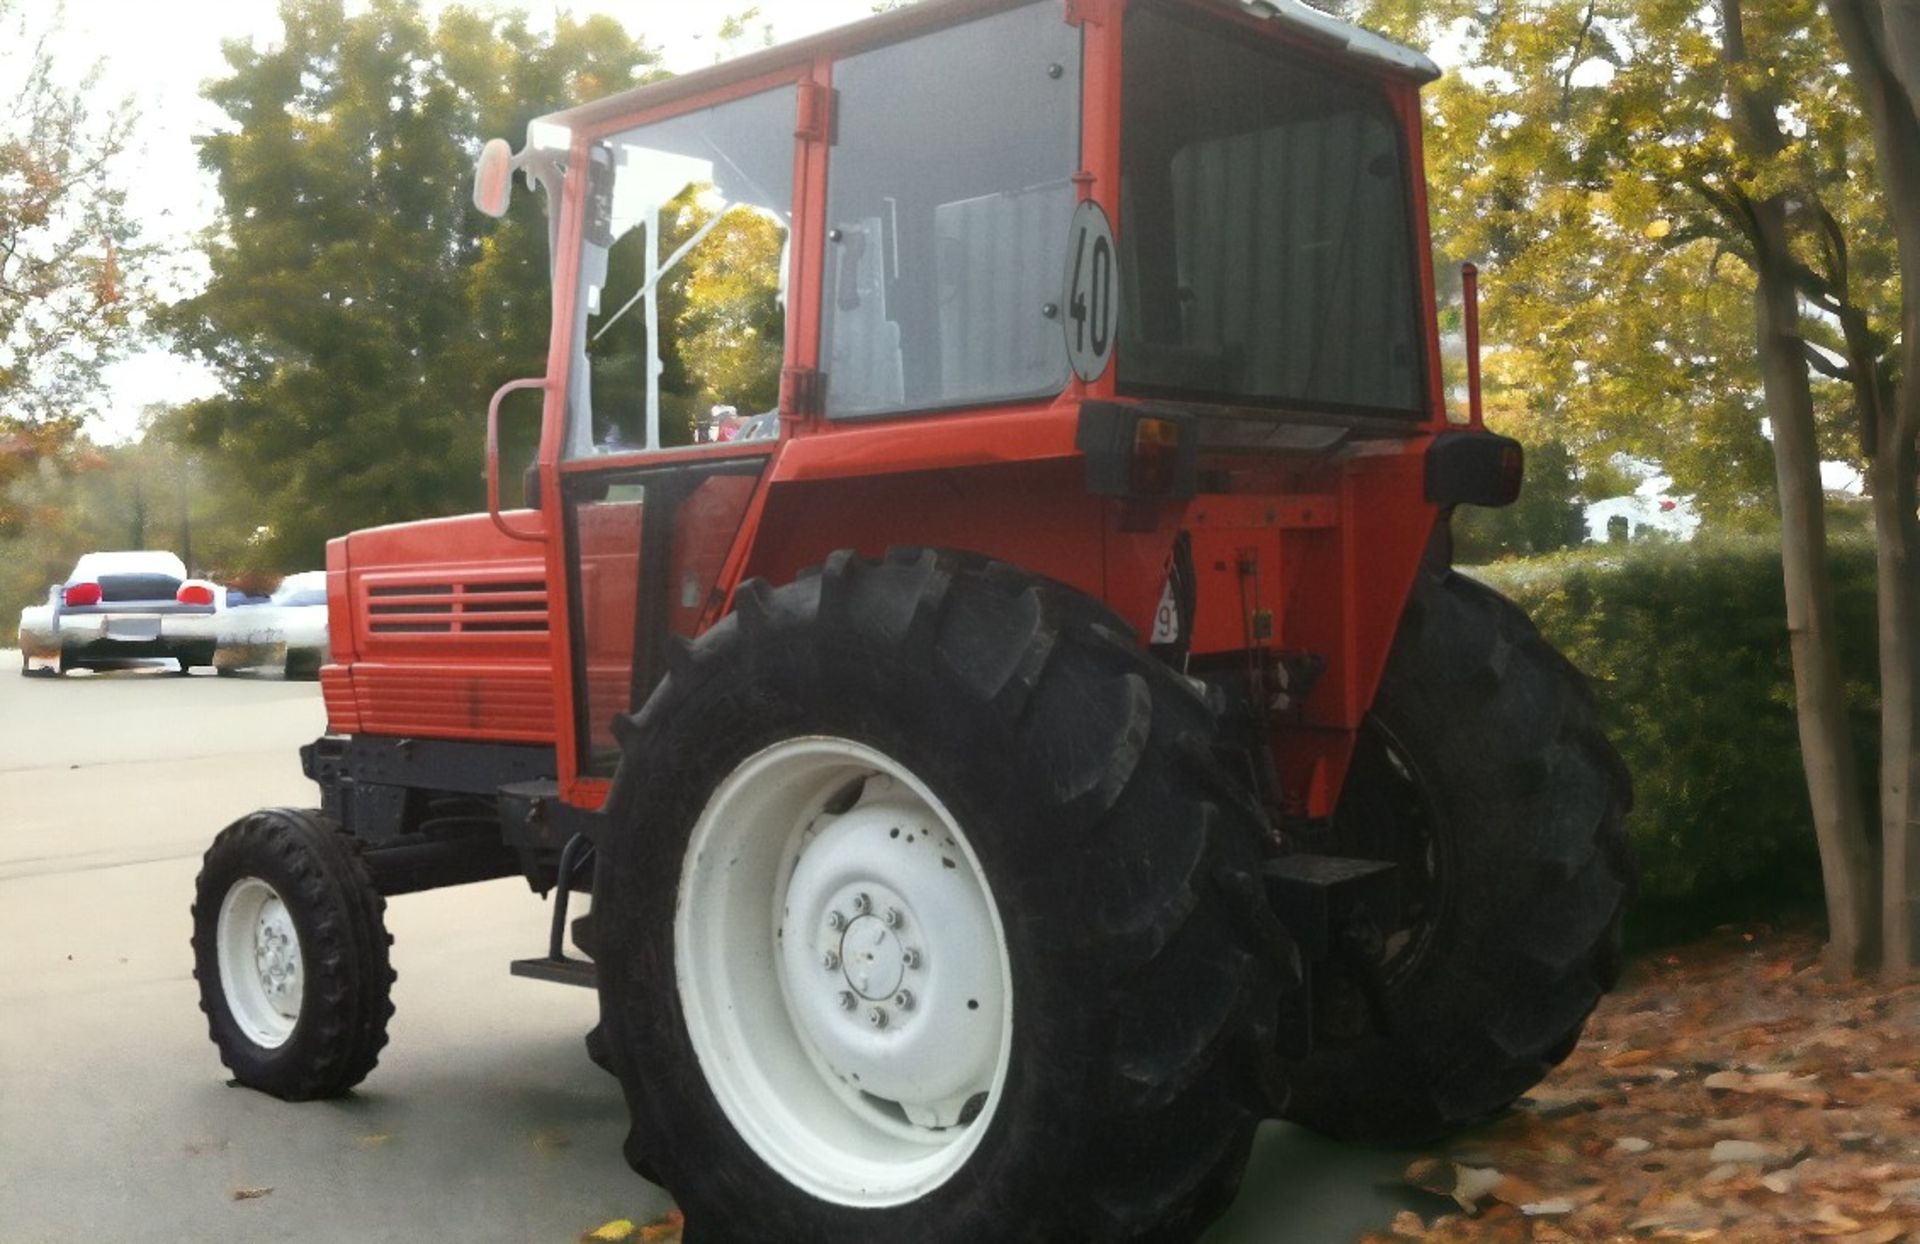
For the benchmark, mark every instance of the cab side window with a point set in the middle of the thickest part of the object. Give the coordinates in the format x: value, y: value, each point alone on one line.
x: 949, y: 202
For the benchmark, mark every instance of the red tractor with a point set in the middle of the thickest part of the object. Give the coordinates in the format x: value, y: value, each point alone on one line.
x: 1031, y: 731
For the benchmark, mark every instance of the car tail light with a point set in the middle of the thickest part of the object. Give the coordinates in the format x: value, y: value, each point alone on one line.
x: 79, y: 594
x: 194, y: 594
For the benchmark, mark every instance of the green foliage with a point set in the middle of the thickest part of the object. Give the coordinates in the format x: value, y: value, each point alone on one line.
x: 1686, y: 645
x: 1584, y: 152
x: 72, y: 272
x: 731, y: 328
x: 361, y: 310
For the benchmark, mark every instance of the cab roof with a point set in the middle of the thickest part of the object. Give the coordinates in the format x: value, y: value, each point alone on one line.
x: 1299, y: 18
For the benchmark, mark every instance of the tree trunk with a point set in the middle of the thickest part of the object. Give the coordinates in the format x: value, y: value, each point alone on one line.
x: 1820, y: 705
x: 1898, y: 539
x: 1882, y: 47
x: 1826, y: 745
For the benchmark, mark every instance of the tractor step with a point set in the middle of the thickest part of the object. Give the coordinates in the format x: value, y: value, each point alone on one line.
x: 1320, y: 898
x: 564, y: 970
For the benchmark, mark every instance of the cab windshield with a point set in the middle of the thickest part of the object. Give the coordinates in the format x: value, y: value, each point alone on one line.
x: 680, y: 329
x: 1266, y: 227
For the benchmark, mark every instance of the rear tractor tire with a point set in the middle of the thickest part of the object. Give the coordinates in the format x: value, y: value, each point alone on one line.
x: 1482, y: 771
x: 290, y: 949
x: 923, y: 914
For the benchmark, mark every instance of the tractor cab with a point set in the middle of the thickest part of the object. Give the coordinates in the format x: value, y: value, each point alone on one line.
x: 986, y: 234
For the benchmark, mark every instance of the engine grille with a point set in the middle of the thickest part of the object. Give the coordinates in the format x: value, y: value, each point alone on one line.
x: 459, y: 608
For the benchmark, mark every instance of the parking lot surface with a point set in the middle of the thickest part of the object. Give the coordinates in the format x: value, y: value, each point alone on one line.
x: 484, y: 1120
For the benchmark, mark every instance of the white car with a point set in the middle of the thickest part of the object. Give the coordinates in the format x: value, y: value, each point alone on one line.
x: 119, y: 609
x: 288, y: 632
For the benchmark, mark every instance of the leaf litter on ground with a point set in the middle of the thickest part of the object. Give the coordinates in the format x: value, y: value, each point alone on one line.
x: 1727, y: 1091
x: 663, y: 1230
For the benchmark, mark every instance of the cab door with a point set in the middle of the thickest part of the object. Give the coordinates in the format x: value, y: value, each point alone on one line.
x: 673, y: 361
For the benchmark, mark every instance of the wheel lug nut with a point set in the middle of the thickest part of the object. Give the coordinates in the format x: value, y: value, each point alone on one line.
x: 904, y: 999
x: 836, y: 921
x: 877, y: 1017
x: 862, y: 904
x: 830, y: 961
x: 893, y: 917
x: 846, y: 1000
x: 910, y: 957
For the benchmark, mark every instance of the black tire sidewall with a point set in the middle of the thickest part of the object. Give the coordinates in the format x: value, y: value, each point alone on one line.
x: 1528, y: 802
x: 958, y: 752
x: 1122, y: 863
x: 343, y: 960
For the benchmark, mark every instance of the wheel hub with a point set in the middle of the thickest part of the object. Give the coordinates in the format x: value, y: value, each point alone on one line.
x: 258, y: 950
x: 873, y: 959
x: 842, y: 971
x: 878, y: 898
x: 276, y: 957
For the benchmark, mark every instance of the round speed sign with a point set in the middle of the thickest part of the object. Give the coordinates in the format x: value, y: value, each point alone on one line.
x: 1091, y: 295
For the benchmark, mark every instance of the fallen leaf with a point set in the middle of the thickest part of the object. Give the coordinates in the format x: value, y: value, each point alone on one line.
x: 1632, y: 1144
x: 610, y: 1232
x: 1430, y: 1175
x: 1829, y: 1221
x: 250, y: 1194
x: 374, y: 1141
x: 547, y: 1139
x: 1630, y: 1058
x: 1741, y: 1151
x: 1407, y: 1225
x: 1473, y: 1185
x: 666, y: 1230
x: 1885, y: 1233
x: 1785, y: 1084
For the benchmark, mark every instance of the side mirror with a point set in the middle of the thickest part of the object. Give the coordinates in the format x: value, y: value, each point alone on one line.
x: 493, y: 178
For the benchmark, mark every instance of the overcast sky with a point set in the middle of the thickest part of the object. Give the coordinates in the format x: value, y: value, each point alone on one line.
x: 159, y: 52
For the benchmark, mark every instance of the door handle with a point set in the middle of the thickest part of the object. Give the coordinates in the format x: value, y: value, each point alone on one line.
x: 493, y: 460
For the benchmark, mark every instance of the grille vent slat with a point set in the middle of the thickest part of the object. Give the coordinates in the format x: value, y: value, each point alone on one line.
x: 512, y: 607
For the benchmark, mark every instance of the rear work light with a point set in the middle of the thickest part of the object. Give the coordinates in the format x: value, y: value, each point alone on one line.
x: 80, y: 594
x: 194, y: 594
x: 1137, y: 454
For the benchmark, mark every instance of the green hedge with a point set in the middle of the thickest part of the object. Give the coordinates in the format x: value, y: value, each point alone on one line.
x: 1686, y: 645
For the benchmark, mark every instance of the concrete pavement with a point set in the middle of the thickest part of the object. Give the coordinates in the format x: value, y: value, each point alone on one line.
x: 484, y: 1120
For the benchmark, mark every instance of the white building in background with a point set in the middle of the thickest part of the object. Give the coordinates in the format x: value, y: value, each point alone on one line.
x: 1648, y: 508
x: 1652, y: 508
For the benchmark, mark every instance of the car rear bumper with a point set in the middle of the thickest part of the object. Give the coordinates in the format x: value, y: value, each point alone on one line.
x: 156, y: 635
x: 249, y: 653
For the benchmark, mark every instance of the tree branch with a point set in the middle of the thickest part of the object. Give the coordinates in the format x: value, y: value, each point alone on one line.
x: 1818, y: 359
x: 1573, y: 59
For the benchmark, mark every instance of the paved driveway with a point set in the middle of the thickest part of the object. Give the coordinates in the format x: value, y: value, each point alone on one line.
x: 484, y: 1120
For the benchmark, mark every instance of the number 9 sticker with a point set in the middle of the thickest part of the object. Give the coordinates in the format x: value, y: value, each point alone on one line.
x: 1091, y: 300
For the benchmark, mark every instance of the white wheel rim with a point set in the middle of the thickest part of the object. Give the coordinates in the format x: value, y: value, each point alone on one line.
x: 843, y: 972
x: 261, y: 974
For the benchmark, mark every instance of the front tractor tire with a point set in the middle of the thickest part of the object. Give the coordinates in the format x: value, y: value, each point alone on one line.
x: 923, y: 914
x: 290, y: 950
x: 1482, y: 771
